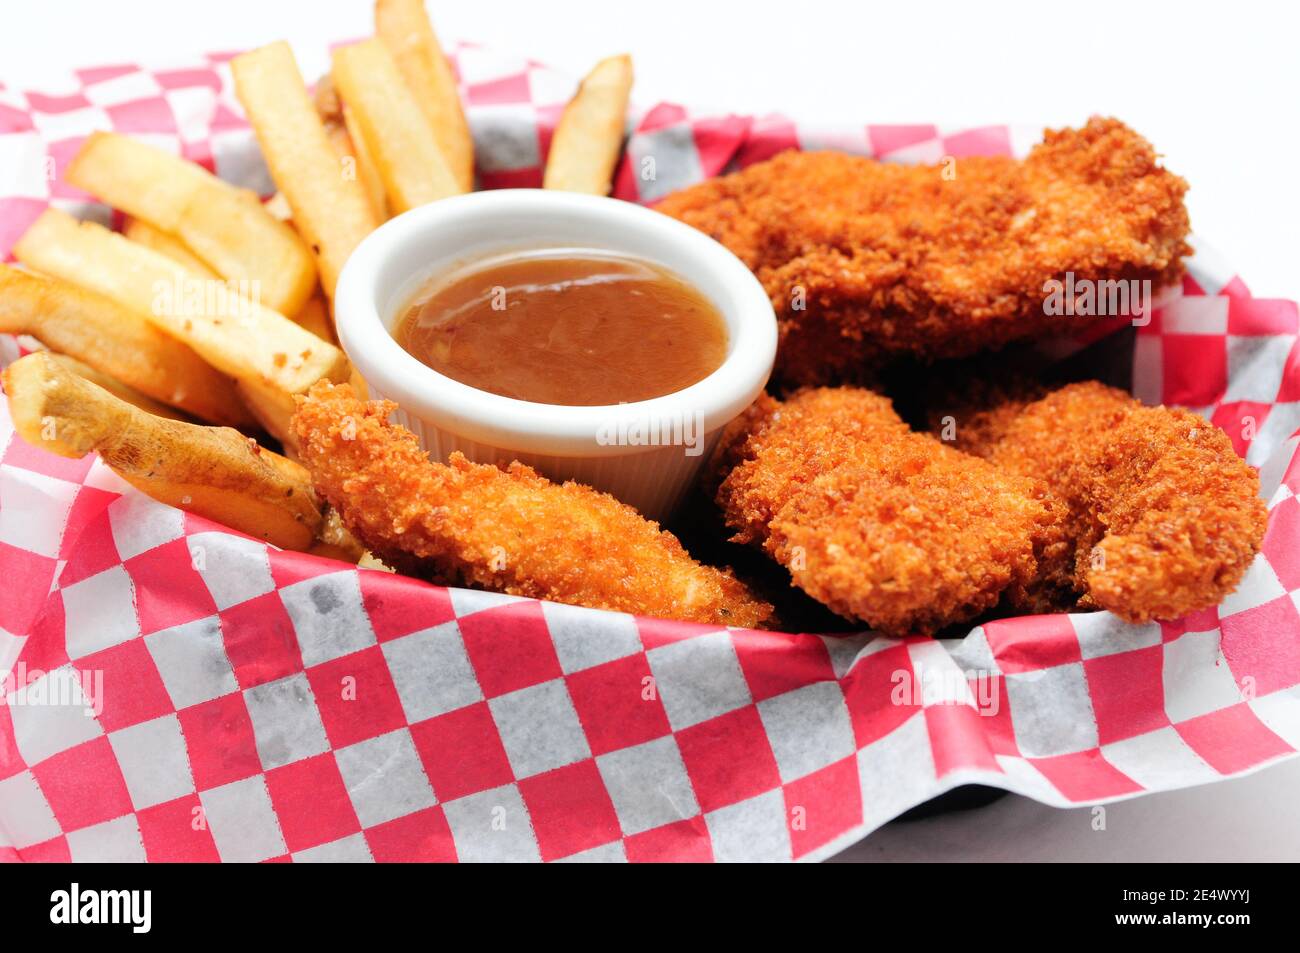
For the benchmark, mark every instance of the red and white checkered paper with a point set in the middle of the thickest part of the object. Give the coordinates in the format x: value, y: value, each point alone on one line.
x: 266, y: 705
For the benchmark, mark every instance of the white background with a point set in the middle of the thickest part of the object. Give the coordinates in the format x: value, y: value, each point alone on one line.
x: 1216, y: 87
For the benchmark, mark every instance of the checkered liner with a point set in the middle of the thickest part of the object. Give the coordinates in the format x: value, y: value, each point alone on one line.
x: 251, y: 704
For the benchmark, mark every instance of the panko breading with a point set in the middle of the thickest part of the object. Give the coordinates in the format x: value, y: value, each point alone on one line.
x: 505, y: 530
x: 1156, y: 515
x: 867, y: 261
x: 881, y: 524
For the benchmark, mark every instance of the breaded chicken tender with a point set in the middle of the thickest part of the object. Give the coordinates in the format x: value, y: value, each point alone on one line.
x: 504, y: 530
x: 880, y: 524
x: 1155, y: 515
x: 868, y: 261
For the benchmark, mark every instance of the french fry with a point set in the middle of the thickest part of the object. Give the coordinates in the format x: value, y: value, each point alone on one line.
x: 141, y: 231
x: 367, y: 171
x: 341, y: 130
x: 334, y: 541
x: 215, y: 472
x: 232, y: 333
x: 330, y: 210
x: 589, y: 136
x: 394, y: 130
x: 272, y: 409
x: 315, y: 317
x: 359, y: 385
x: 225, y: 226
x: 403, y: 27
x: 326, y: 100
x: 117, y: 388
x: 340, y: 134
x: 278, y: 206
x: 118, y: 342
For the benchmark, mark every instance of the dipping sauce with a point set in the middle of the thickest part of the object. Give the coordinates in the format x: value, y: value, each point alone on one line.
x: 566, y: 326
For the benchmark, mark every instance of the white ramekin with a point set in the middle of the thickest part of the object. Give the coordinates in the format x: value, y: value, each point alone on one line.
x: 593, y: 445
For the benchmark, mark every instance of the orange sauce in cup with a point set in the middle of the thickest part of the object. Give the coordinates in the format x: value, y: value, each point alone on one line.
x: 566, y: 326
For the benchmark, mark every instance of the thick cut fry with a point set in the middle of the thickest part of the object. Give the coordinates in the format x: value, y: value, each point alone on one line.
x: 359, y: 385
x: 349, y: 147
x: 506, y: 530
x: 330, y: 209
x: 589, y: 136
x: 403, y: 26
x: 315, y: 317
x: 278, y: 206
x: 326, y: 99
x: 232, y: 333
x: 225, y: 226
x: 117, y: 388
x: 395, y: 132
x: 348, y: 137
x: 167, y: 244
x: 215, y: 472
x: 116, y: 341
x: 273, y: 410
x: 333, y: 540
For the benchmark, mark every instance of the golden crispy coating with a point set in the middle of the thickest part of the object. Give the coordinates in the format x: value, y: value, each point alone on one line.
x: 730, y: 450
x: 505, y: 530
x: 1157, y: 516
x: 879, y: 523
x: 974, y: 410
x: 865, y: 261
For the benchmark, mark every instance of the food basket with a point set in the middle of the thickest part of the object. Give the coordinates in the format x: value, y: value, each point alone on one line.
x: 177, y: 691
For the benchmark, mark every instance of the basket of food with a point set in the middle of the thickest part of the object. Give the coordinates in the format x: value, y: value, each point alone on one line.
x: 448, y: 463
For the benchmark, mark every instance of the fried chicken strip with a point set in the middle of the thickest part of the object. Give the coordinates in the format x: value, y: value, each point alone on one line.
x: 868, y: 261
x: 505, y: 530
x: 1155, y: 514
x: 881, y: 524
